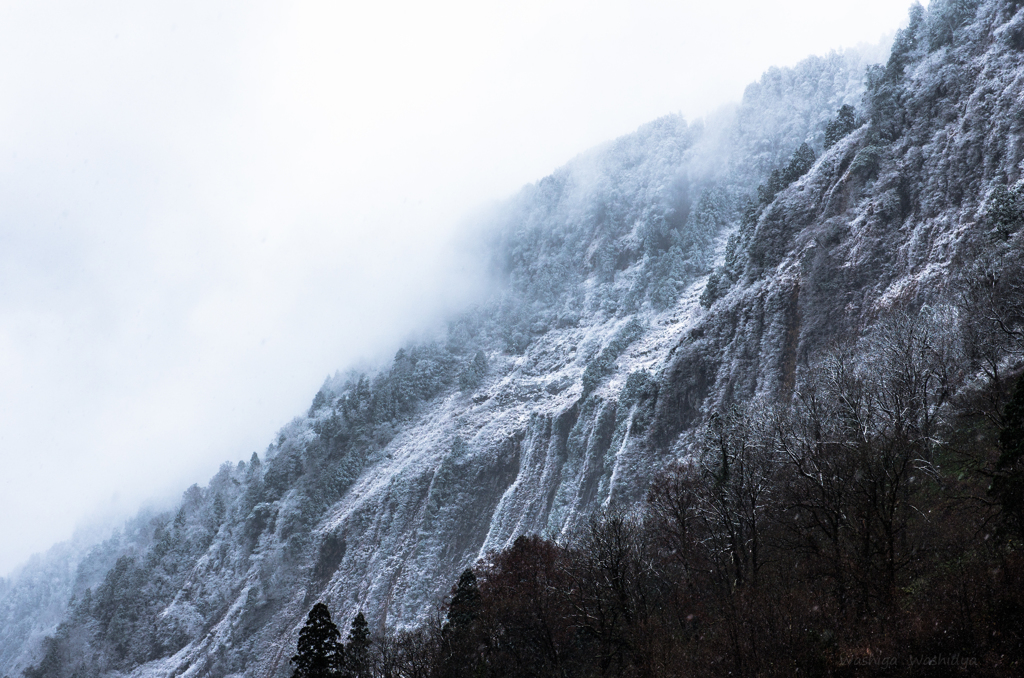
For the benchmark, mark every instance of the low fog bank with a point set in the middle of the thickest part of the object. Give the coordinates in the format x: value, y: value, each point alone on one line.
x: 206, y: 207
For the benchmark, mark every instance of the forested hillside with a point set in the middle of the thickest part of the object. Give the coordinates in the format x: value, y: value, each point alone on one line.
x: 762, y: 363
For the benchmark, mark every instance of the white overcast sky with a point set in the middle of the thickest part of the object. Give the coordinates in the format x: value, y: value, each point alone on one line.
x: 206, y: 206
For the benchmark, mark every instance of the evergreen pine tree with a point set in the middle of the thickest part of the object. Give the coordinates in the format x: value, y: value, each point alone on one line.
x: 711, y: 291
x: 319, y: 653
x: 733, y: 264
x: 461, y: 640
x: 802, y: 160
x: 767, y: 191
x: 465, y: 605
x: 837, y: 128
x: 357, y: 648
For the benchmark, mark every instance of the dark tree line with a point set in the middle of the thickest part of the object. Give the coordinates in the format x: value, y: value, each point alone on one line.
x: 873, y: 522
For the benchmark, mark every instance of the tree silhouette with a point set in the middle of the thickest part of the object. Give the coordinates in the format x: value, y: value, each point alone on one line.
x: 357, y: 648
x: 319, y: 653
x: 465, y: 605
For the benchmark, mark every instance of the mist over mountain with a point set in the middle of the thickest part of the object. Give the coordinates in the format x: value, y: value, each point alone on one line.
x: 640, y: 290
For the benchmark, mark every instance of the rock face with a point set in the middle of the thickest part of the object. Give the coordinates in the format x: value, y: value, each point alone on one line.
x: 648, y: 282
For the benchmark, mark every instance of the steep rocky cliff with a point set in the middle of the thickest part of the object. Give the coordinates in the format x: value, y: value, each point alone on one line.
x: 649, y: 281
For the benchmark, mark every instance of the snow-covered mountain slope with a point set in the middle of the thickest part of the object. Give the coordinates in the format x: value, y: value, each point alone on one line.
x: 901, y: 213
x: 646, y: 283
